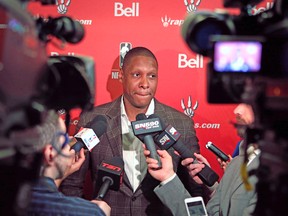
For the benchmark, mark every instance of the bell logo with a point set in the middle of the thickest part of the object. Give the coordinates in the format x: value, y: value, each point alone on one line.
x: 132, y: 11
x: 184, y: 62
x: 254, y: 10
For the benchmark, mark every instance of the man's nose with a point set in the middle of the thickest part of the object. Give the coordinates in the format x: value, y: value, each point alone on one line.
x: 144, y: 83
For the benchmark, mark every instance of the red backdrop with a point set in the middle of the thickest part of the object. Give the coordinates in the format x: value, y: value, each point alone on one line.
x: 156, y: 25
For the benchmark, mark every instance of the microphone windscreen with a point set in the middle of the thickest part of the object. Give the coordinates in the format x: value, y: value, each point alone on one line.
x: 117, y: 161
x: 141, y: 116
x: 156, y: 116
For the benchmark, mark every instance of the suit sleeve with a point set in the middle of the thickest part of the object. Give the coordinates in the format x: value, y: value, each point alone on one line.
x: 213, y: 206
x: 172, y: 195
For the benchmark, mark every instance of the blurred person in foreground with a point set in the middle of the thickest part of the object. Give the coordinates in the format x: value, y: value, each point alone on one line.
x: 58, y: 162
x: 139, y: 78
x: 244, y: 116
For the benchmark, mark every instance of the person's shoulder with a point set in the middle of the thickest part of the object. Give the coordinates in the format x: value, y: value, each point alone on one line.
x: 109, y: 110
x: 78, y: 204
x: 103, y: 108
x: 113, y: 103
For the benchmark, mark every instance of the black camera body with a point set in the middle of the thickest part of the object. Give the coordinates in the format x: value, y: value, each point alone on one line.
x: 239, y: 46
x: 32, y: 84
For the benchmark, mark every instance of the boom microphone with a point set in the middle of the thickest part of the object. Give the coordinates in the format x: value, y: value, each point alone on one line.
x: 88, y: 137
x: 109, y: 175
x: 224, y: 157
x: 143, y: 128
x: 171, y: 137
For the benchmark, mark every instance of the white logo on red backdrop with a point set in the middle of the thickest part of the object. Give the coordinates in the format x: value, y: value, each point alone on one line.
x: 254, y: 10
x: 62, y: 7
x: 192, y: 5
x: 124, y: 48
x: 121, y: 10
x: 167, y: 21
x: 185, y: 62
x: 189, y: 110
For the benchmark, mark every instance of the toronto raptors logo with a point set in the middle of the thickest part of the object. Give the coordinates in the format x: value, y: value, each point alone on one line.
x: 62, y: 7
x: 192, y: 5
x: 189, y: 110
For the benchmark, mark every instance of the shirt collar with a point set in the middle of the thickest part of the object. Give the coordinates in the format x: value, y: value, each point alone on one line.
x: 124, y: 118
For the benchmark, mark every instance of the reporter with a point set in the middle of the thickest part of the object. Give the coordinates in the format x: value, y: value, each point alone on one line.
x: 58, y: 162
x: 244, y: 117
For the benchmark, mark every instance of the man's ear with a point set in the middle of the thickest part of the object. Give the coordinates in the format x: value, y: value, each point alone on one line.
x: 120, y: 75
x: 49, y: 154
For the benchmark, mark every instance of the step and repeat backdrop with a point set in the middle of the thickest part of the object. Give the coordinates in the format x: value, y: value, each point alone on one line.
x: 113, y: 27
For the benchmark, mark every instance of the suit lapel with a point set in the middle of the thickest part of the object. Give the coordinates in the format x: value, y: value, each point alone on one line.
x: 114, y: 134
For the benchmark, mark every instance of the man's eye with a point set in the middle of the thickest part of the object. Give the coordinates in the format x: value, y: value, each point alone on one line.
x: 152, y: 75
x: 136, y: 75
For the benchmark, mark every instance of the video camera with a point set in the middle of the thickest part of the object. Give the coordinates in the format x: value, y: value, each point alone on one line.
x: 32, y: 84
x: 248, y: 64
x: 240, y: 46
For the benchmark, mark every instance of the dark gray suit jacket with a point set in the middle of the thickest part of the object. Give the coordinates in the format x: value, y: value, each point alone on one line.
x: 126, y: 202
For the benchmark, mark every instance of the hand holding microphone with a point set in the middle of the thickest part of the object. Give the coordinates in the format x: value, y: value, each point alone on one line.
x: 171, y: 137
x: 88, y: 137
x: 144, y: 128
x: 218, y: 152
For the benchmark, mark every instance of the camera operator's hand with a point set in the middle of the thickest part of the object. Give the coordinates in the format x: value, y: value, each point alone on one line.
x: 194, y: 169
x: 153, y: 168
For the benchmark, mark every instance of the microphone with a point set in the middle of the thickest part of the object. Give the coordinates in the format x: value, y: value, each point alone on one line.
x: 88, y: 137
x: 143, y: 128
x: 110, y: 174
x: 224, y: 157
x: 171, y: 137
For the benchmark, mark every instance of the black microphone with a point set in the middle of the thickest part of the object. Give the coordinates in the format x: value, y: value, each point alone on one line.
x: 88, y: 137
x: 171, y: 137
x: 143, y: 128
x: 218, y: 152
x: 109, y: 176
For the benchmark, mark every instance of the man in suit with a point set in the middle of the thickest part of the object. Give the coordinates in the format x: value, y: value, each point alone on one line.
x: 139, y: 78
x: 230, y: 198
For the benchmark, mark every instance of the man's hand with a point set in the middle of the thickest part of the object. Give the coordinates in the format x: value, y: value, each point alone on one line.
x: 104, y: 206
x: 76, y: 163
x: 224, y: 164
x: 167, y: 166
x: 194, y: 169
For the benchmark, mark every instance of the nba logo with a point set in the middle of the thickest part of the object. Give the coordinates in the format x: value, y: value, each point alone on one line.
x: 124, y: 48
